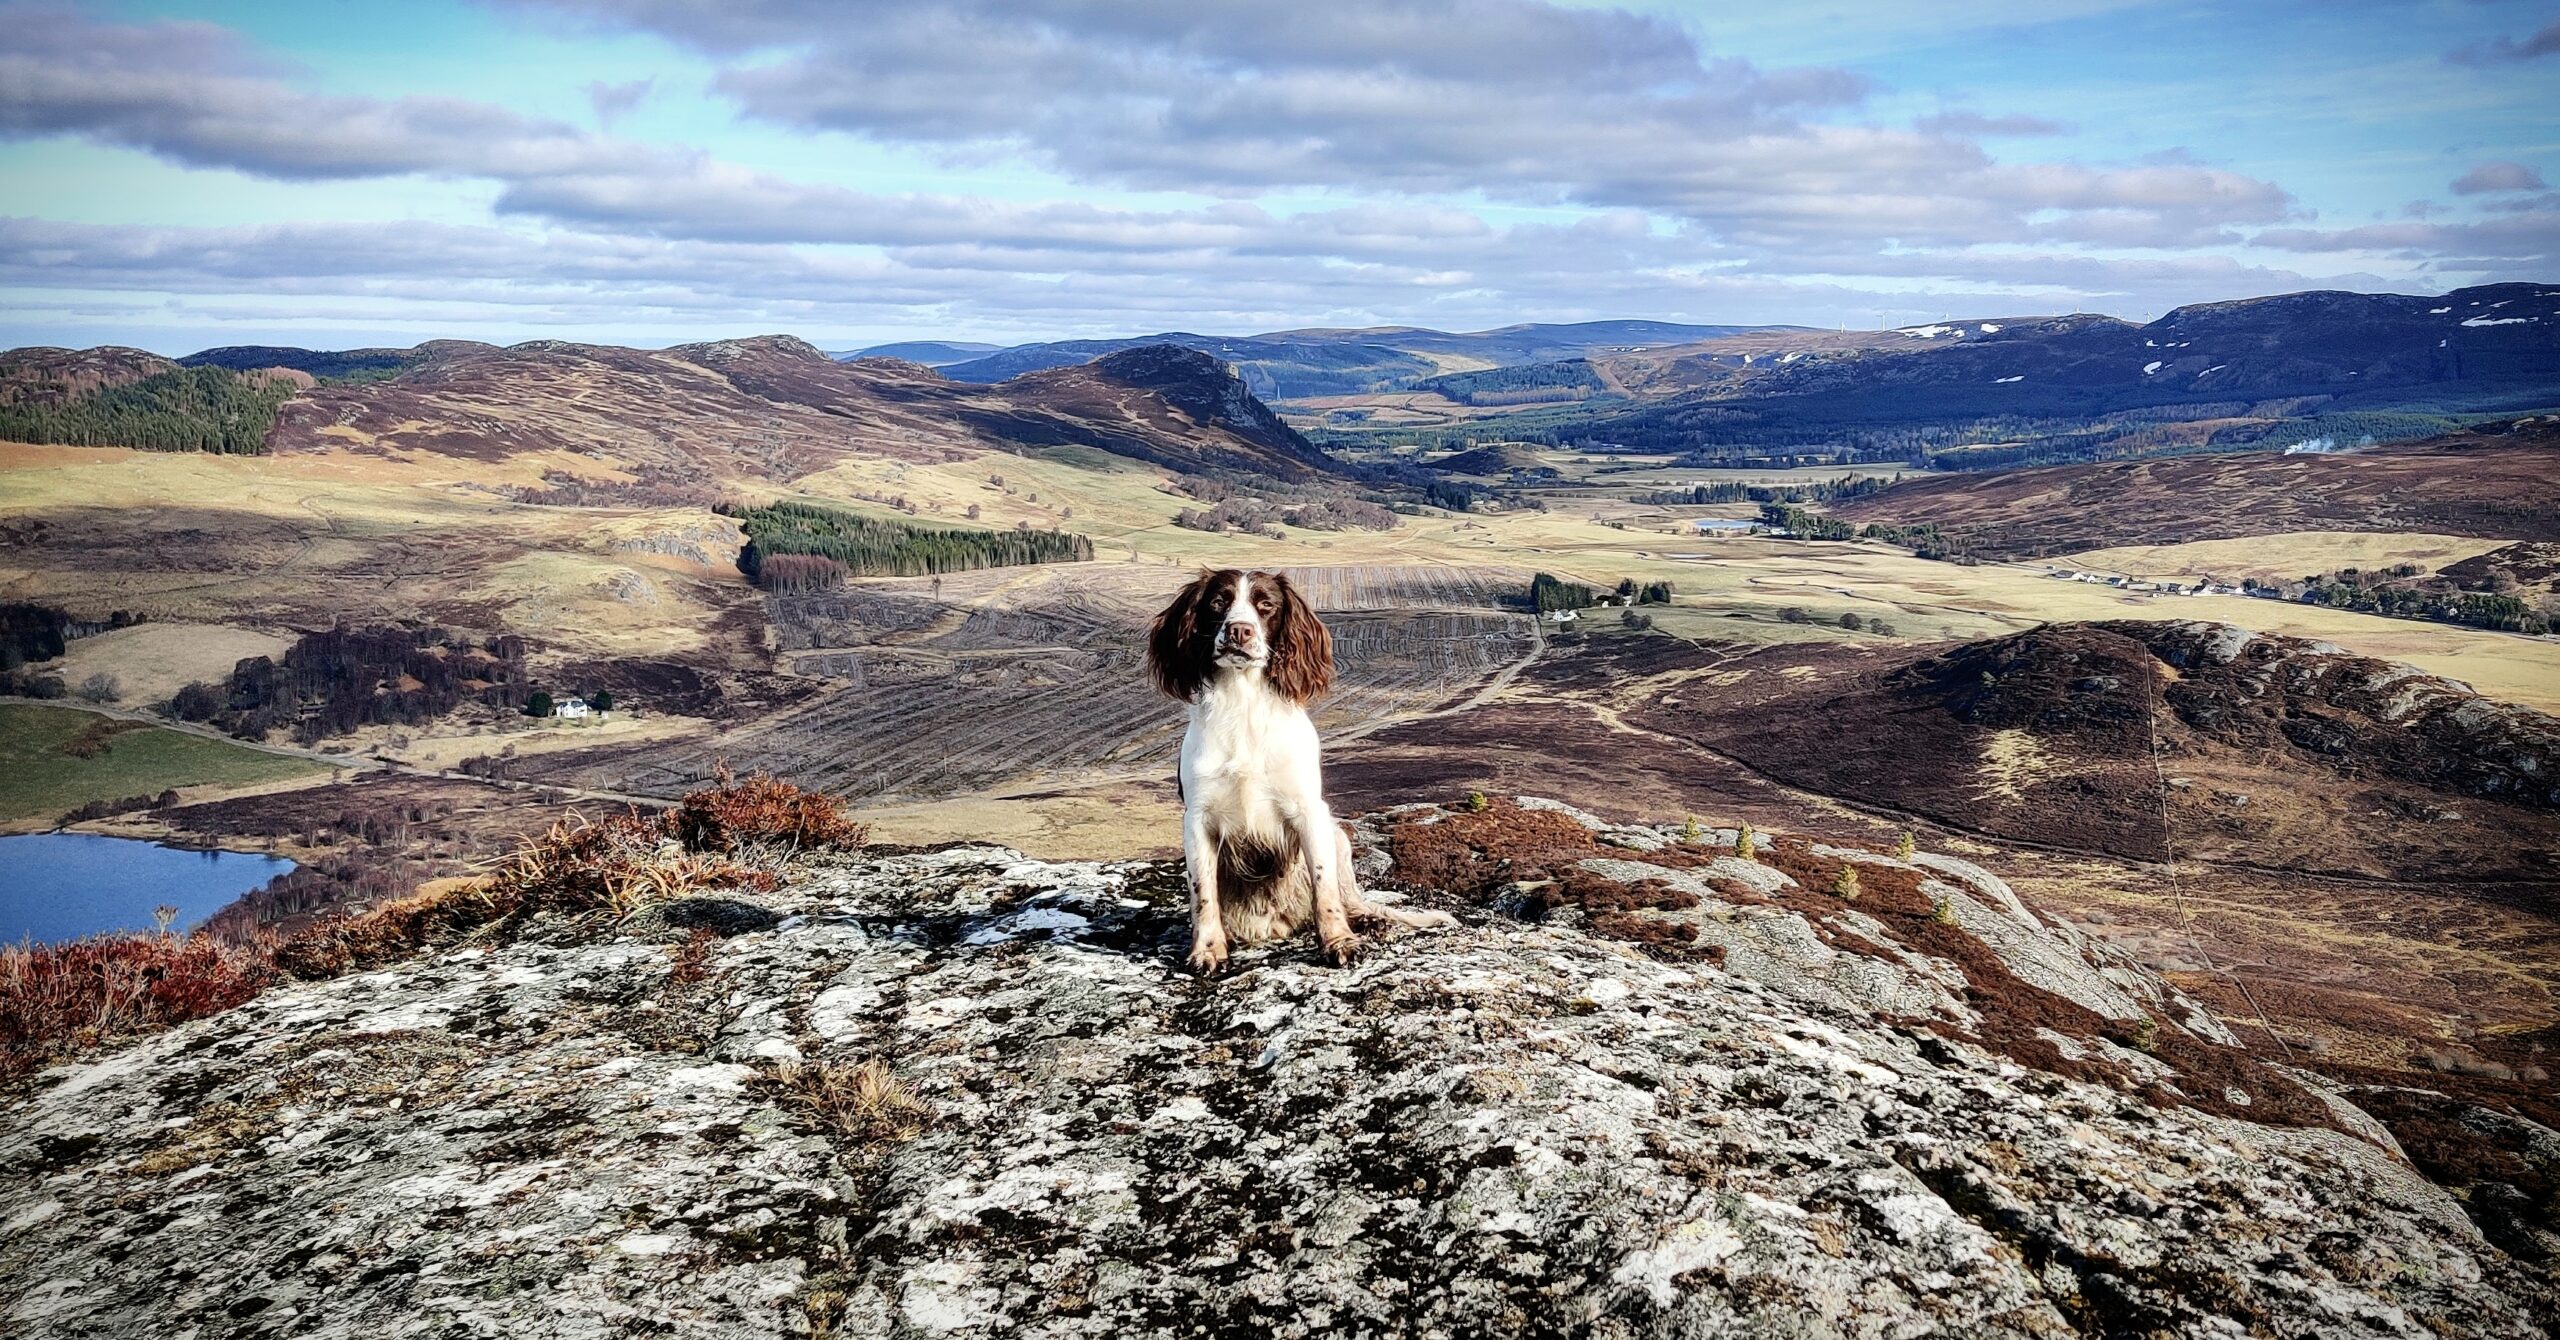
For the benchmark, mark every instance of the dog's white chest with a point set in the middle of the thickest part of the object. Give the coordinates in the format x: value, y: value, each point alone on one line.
x: 1251, y: 757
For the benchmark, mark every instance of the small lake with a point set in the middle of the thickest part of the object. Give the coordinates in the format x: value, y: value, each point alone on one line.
x: 1722, y: 523
x: 61, y: 886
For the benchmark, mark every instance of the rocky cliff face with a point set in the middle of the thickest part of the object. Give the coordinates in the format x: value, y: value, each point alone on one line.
x: 960, y: 1092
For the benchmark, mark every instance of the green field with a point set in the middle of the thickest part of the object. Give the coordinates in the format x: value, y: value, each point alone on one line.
x: 37, y: 778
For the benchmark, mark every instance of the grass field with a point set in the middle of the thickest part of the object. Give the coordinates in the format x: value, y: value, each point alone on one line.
x: 152, y: 661
x: 2292, y: 556
x: 39, y: 779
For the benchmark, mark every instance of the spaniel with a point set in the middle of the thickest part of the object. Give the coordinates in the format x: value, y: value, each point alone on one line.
x: 1247, y: 652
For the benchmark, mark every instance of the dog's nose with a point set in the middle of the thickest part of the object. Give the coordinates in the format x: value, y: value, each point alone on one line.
x: 1236, y: 635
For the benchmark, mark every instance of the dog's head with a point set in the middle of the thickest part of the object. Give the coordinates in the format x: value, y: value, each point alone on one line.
x: 1241, y: 621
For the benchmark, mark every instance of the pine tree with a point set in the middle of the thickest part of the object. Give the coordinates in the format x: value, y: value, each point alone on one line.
x: 539, y: 705
x: 1743, y: 844
x: 1847, y: 885
x: 1906, y: 846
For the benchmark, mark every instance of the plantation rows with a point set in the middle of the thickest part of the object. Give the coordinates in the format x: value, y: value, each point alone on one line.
x: 1044, y: 674
x: 849, y: 617
x: 996, y: 719
x: 1408, y: 586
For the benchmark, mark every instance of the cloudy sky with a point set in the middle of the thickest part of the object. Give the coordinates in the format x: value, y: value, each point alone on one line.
x: 336, y: 173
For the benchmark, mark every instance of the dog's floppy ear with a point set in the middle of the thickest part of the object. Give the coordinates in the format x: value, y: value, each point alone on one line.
x: 1301, y: 666
x: 1175, y: 648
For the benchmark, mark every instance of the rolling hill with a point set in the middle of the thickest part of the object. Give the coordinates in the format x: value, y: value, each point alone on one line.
x: 2277, y: 751
x: 771, y: 408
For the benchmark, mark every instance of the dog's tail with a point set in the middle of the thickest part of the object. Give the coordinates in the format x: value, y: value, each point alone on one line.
x: 1420, y: 921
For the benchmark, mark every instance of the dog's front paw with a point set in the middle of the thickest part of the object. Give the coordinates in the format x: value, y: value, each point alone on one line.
x: 1344, y: 950
x: 1209, y: 957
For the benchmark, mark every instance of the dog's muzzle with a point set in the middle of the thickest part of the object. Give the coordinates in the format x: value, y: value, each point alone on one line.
x: 1237, y: 639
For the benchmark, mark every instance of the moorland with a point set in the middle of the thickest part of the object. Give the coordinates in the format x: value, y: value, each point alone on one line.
x: 2052, y: 592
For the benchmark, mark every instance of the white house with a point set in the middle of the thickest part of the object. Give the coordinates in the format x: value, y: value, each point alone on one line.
x: 1562, y: 616
x: 572, y: 709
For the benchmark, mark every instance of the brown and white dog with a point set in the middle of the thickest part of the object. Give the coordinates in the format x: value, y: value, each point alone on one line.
x: 1248, y: 653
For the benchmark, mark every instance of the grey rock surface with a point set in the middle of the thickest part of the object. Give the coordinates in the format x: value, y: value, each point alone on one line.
x: 1504, y: 1129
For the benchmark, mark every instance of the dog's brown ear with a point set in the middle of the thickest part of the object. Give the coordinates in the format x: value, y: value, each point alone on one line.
x: 1301, y: 665
x: 1176, y: 657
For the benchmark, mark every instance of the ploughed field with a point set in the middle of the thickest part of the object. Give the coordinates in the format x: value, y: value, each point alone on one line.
x: 985, y: 679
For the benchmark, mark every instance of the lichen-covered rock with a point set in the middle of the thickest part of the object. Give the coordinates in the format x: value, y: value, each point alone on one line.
x: 1506, y: 1129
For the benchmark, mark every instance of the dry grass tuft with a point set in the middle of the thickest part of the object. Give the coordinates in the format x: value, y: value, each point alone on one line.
x: 57, y: 999
x: 861, y: 1102
x: 736, y: 812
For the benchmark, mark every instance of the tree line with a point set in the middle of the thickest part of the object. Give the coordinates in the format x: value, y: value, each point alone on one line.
x: 2398, y: 593
x: 185, y: 409
x: 863, y: 546
x: 1805, y: 525
x: 337, y: 681
x: 1734, y: 491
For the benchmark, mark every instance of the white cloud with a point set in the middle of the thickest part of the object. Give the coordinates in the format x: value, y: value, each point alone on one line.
x: 1668, y: 181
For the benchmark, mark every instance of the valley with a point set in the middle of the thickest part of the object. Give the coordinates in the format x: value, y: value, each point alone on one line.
x: 584, y: 503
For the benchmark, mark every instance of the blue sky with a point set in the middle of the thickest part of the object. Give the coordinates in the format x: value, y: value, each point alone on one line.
x: 335, y: 174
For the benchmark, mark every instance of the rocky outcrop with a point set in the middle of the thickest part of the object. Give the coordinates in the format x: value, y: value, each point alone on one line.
x: 2263, y: 691
x: 960, y: 1092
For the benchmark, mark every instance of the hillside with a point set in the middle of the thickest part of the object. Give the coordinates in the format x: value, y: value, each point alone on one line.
x: 2495, y: 481
x: 1160, y: 403
x: 776, y: 408
x: 48, y: 377
x: 960, y: 1092
x: 770, y: 408
x: 2488, y: 348
x: 113, y: 396
x: 2273, y: 751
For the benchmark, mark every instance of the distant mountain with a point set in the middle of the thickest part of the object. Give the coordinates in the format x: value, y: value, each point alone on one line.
x: 929, y: 353
x: 1300, y: 364
x: 772, y: 407
x: 1509, y: 346
x: 2488, y: 349
x: 1160, y: 403
x: 1271, y: 366
x: 776, y: 407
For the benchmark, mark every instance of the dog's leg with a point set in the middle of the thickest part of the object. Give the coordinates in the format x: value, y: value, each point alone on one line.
x: 1322, y: 843
x: 1361, y: 909
x: 1208, y: 933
